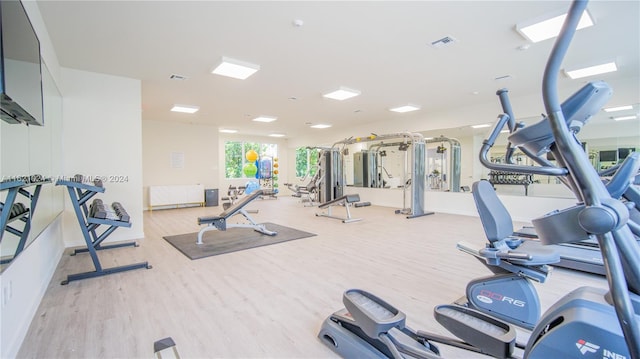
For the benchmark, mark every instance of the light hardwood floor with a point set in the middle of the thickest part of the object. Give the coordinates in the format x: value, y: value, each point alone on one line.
x: 267, y: 302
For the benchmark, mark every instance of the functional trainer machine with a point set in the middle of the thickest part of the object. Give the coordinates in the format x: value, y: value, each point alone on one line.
x: 219, y: 222
x: 416, y: 184
x: 605, y: 323
x: 90, y: 218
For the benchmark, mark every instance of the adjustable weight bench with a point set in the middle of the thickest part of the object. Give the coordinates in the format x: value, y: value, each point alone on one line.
x: 344, y: 201
x: 220, y: 222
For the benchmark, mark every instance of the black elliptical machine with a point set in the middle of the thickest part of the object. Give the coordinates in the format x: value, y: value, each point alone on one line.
x: 587, y: 321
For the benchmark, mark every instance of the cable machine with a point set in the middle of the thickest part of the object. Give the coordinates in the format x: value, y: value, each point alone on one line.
x: 448, y: 177
x: 414, y: 186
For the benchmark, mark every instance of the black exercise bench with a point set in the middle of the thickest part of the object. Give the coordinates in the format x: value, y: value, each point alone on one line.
x: 344, y: 201
x: 220, y: 222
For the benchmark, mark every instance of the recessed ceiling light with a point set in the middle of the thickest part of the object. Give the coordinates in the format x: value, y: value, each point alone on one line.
x: 548, y: 26
x: 185, y: 108
x: 342, y: 93
x: 405, y: 108
x: 227, y: 131
x: 592, y: 70
x: 320, y: 125
x: 277, y: 135
x: 624, y: 118
x: 481, y: 126
x: 265, y: 119
x: 504, y: 131
x: 235, y: 68
x: 619, y: 108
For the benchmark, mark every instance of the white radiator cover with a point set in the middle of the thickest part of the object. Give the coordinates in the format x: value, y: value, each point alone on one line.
x: 175, y: 195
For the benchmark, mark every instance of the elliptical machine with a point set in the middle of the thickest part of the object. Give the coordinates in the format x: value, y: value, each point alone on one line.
x: 587, y: 320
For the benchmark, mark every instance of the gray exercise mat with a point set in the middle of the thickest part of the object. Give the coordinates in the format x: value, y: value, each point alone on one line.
x: 232, y: 240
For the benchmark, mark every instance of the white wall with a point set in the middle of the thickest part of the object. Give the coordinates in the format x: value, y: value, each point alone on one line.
x: 197, y: 143
x: 103, y: 137
x: 24, y: 283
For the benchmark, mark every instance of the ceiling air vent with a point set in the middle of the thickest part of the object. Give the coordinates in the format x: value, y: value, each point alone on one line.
x: 177, y: 77
x: 445, y: 41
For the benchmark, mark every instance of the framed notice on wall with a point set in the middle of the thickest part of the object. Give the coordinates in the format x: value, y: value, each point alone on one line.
x: 177, y: 159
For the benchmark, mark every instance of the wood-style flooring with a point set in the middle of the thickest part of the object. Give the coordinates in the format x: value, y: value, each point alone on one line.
x: 267, y: 302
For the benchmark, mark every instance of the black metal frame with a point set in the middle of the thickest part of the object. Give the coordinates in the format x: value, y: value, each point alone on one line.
x: 80, y: 193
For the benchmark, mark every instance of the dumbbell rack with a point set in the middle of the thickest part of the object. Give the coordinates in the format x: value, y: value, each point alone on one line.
x: 90, y: 219
x: 11, y: 210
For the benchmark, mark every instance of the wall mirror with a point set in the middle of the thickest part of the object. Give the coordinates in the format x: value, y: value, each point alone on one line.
x: 605, y: 140
x: 30, y: 150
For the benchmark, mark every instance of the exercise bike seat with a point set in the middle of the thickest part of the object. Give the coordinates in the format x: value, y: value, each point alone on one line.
x: 538, y: 254
x: 498, y: 227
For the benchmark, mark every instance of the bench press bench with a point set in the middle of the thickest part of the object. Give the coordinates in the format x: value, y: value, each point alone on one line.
x: 344, y: 201
x: 219, y: 222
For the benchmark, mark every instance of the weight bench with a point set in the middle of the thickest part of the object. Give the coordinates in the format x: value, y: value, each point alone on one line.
x: 220, y: 222
x: 344, y: 201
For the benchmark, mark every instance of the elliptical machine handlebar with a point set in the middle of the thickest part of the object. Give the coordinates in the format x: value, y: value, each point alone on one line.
x: 616, y: 240
x: 491, y: 139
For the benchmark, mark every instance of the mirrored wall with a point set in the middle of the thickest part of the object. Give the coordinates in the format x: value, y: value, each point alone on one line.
x: 384, y: 164
x: 33, y: 150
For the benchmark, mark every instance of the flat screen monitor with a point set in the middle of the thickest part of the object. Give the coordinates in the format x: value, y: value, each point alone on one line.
x: 625, y: 152
x: 609, y: 156
x: 20, y: 67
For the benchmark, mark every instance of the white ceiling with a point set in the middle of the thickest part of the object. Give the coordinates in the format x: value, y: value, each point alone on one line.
x: 380, y: 48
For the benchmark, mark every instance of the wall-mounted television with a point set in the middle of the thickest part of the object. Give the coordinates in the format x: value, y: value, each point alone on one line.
x: 20, y: 67
x: 625, y: 152
x: 609, y: 156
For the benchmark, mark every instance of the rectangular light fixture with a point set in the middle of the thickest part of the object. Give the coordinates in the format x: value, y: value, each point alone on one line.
x: 277, y: 135
x: 342, y: 93
x: 235, y: 68
x: 227, y: 131
x: 481, y: 126
x: 320, y: 125
x: 549, y: 26
x: 265, y: 119
x: 185, y: 108
x: 619, y: 108
x: 624, y: 118
x: 592, y: 70
x: 405, y: 108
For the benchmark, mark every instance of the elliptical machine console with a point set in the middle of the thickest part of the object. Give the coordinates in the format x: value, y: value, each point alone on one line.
x: 602, y: 323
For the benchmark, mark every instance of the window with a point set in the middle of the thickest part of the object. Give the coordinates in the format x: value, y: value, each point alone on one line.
x: 234, y: 155
x: 307, y: 161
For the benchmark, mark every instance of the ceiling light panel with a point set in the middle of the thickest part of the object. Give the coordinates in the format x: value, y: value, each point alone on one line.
x: 227, y: 131
x: 592, y: 70
x: 185, y: 108
x: 405, y: 108
x: 481, y: 126
x: 624, y: 118
x: 277, y: 135
x: 342, y: 93
x: 549, y: 26
x: 235, y: 68
x: 619, y: 108
x: 265, y: 119
x: 320, y: 125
